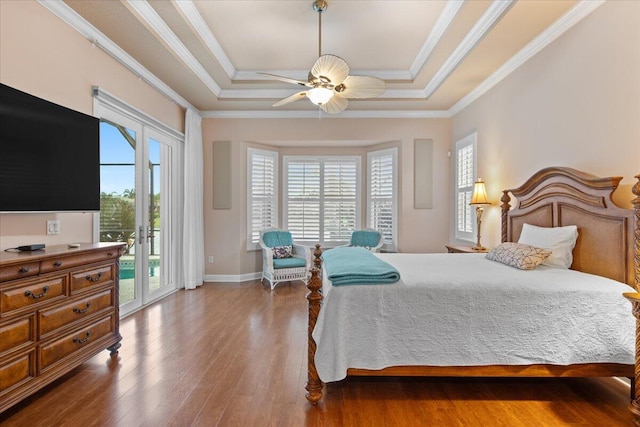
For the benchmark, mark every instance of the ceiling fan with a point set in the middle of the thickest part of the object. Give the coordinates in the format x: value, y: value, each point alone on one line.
x: 329, y: 82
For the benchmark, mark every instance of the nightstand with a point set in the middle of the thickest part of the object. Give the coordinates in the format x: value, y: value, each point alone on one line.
x: 456, y: 249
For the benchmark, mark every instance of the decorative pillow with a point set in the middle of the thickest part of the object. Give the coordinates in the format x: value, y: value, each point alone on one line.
x: 517, y: 255
x: 282, y: 251
x: 559, y: 240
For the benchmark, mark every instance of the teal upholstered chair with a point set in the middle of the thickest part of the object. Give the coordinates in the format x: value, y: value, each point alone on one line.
x: 288, y: 261
x: 367, y: 238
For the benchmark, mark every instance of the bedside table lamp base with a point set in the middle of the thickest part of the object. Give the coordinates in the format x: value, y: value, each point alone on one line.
x: 479, y: 198
x: 478, y: 246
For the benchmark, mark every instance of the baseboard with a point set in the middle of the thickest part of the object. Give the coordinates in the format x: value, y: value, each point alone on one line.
x: 235, y: 278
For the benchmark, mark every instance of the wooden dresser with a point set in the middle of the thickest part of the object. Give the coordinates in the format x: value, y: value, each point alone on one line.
x: 58, y: 308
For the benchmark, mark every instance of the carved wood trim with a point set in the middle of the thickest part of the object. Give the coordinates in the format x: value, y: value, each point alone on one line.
x: 505, y: 199
x: 314, y: 384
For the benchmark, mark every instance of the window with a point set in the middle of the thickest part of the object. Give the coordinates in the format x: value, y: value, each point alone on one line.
x: 382, y: 195
x: 321, y: 200
x: 465, y: 170
x: 262, y: 193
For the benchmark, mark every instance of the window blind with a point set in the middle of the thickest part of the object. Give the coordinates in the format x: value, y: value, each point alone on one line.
x: 321, y: 204
x: 465, y: 173
x: 382, y: 194
x: 262, y: 203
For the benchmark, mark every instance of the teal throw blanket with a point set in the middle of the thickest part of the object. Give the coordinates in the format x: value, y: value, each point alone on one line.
x: 357, y: 266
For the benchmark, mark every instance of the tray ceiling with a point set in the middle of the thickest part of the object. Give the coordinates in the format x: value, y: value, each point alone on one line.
x: 435, y: 56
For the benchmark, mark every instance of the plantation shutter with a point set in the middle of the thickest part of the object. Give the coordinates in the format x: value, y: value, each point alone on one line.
x: 382, y: 194
x: 262, y: 201
x: 465, y: 172
x: 302, y: 207
x: 321, y: 204
x: 340, y: 199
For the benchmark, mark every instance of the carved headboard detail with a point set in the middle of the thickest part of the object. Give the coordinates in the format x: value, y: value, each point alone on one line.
x: 559, y: 196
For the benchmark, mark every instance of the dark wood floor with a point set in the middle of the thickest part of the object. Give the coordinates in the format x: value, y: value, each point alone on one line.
x: 234, y: 355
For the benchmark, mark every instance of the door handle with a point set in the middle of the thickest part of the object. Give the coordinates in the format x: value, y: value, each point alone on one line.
x: 141, y: 234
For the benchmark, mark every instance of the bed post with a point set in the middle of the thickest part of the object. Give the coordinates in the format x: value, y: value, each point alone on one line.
x: 505, y: 199
x: 314, y: 385
x: 634, y: 406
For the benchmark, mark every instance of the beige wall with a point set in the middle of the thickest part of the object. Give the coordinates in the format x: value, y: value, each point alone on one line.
x: 420, y: 230
x: 575, y: 104
x: 42, y: 55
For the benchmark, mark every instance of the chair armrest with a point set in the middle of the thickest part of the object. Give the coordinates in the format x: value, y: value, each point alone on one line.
x: 267, y: 255
x: 305, y: 251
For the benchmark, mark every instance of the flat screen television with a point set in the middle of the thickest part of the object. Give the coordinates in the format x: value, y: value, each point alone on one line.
x: 49, y: 156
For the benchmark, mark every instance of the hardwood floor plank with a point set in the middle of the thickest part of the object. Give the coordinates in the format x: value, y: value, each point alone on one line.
x: 234, y: 354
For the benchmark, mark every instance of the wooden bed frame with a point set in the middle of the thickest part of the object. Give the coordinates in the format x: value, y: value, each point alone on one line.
x: 608, y: 245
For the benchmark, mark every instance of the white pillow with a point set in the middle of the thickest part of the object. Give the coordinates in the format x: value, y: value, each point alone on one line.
x: 559, y: 240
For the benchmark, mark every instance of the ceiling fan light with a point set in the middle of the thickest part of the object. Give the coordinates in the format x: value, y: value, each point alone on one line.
x: 319, y: 95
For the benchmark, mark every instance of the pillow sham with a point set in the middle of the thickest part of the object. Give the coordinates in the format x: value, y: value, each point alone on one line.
x: 517, y: 255
x: 282, y: 251
x: 559, y: 240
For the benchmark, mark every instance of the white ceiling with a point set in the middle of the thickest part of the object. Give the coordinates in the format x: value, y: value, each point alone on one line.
x: 435, y: 56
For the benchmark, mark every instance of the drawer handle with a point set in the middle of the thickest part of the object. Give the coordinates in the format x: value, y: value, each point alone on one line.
x: 29, y: 293
x: 109, y: 254
x: 82, y: 310
x: 82, y: 340
x: 94, y: 279
x: 57, y: 263
x: 24, y: 270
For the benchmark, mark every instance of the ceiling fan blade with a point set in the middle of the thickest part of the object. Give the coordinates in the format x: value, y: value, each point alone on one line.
x: 287, y: 79
x: 360, y: 87
x: 292, y: 98
x: 335, y: 105
x: 330, y: 69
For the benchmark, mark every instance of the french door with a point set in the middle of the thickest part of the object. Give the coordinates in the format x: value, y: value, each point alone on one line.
x: 138, y: 188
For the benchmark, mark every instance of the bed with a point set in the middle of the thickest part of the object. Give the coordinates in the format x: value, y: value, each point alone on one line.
x: 606, y: 255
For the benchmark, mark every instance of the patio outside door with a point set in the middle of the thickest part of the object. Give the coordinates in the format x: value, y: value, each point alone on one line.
x: 136, y: 193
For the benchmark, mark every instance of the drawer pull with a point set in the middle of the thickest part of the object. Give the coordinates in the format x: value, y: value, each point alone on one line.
x: 57, y: 263
x: 109, y: 254
x: 94, y: 279
x: 24, y: 270
x: 29, y: 293
x: 82, y: 340
x: 82, y: 310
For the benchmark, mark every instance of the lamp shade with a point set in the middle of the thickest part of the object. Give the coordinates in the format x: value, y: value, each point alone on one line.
x: 319, y: 95
x: 479, y: 194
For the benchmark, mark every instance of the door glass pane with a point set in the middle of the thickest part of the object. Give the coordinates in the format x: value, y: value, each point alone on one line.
x: 118, y: 197
x: 154, y: 235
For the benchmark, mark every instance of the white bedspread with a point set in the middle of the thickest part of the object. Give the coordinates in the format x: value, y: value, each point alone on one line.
x: 463, y: 310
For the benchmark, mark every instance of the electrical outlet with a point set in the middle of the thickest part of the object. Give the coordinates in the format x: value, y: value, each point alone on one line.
x: 53, y: 227
x: 210, y: 259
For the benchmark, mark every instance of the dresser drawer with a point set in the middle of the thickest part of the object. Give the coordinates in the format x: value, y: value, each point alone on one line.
x: 32, y: 294
x: 92, y: 278
x: 51, y: 319
x: 56, y: 351
x: 16, y: 334
x: 18, y: 271
x: 16, y: 371
x: 63, y: 262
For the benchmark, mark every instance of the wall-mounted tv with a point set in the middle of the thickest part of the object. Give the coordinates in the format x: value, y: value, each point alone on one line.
x: 49, y: 156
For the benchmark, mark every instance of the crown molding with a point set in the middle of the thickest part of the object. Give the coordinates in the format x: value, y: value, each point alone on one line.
x: 479, y: 30
x: 91, y: 33
x: 155, y: 22
x: 201, y: 28
x: 442, y: 24
x: 191, y: 14
x: 555, y: 30
x: 306, y: 114
x: 283, y: 93
x: 572, y: 17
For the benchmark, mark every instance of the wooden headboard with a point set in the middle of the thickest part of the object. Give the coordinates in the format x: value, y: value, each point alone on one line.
x: 557, y: 196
